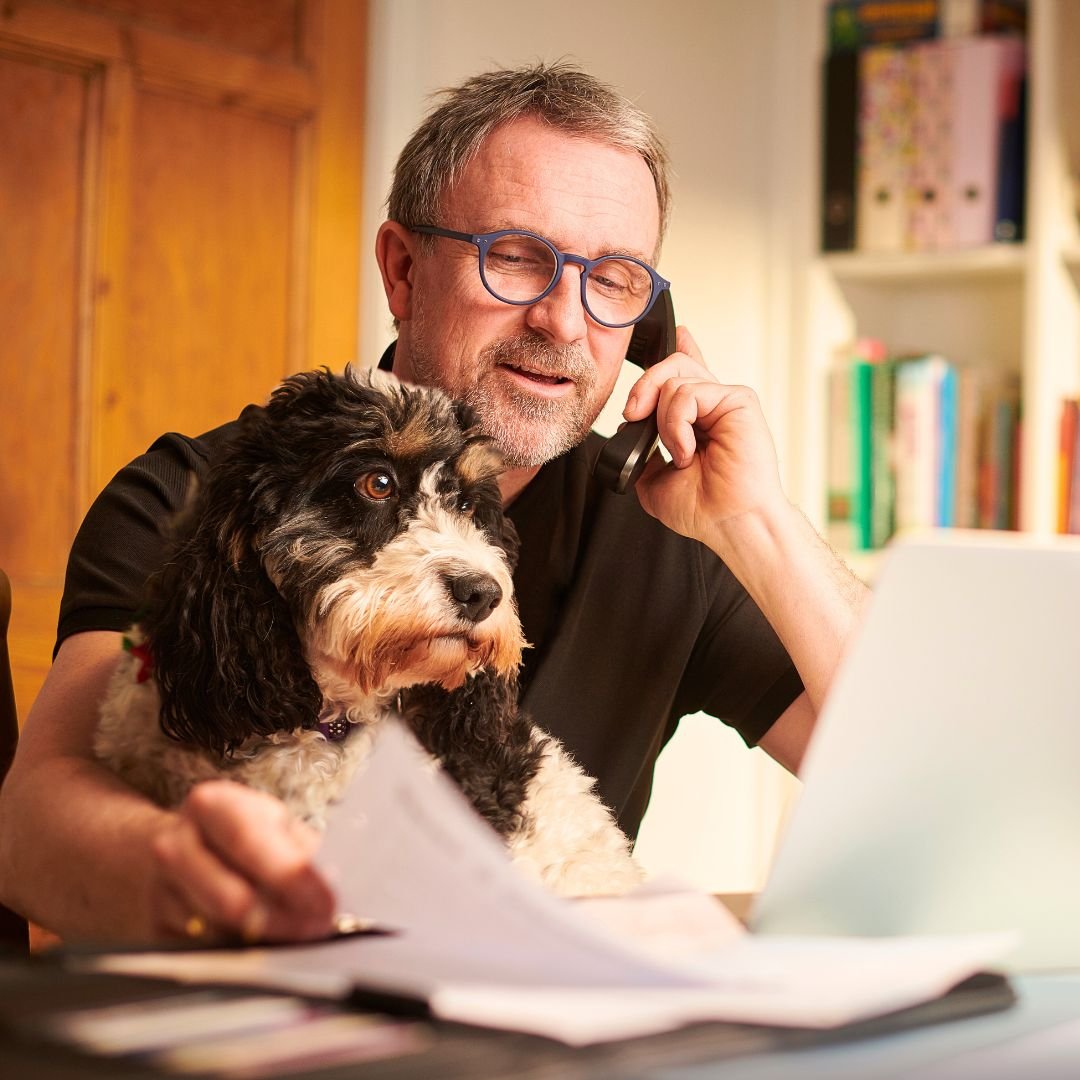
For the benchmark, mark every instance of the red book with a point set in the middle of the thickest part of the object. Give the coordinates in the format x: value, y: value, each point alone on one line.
x: 1066, y: 462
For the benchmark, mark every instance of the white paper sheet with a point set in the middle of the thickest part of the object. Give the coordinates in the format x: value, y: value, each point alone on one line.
x: 481, y: 944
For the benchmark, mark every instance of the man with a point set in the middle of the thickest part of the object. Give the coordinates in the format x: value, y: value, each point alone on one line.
x: 704, y: 590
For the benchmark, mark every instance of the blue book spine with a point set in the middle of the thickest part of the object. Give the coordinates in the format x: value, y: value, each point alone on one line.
x: 946, y: 485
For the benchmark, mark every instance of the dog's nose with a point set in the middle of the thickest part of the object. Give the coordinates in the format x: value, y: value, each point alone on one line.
x: 476, y: 595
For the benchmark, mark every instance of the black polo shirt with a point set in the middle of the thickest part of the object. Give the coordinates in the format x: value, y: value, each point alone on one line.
x: 633, y: 626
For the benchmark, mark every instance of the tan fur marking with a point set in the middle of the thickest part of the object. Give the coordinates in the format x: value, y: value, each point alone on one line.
x: 478, y: 461
x: 412, y: 439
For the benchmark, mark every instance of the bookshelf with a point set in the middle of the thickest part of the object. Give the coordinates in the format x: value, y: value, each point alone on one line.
x: 1010, y: 307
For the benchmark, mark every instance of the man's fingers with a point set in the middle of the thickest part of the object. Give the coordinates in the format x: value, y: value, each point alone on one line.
x: 685, y: 343
x: 685, y: 364
x: 257, y: 834
x: 243, y: 863
x: 199, y: 887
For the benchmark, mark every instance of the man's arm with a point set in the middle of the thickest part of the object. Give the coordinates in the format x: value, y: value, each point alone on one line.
x: 723, y: 488
x: 86, y: 856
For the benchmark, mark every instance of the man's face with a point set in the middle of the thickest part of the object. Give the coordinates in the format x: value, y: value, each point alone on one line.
x: 537, y: 376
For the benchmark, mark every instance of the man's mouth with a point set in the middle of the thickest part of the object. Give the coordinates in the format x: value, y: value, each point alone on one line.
x: 539, y: 377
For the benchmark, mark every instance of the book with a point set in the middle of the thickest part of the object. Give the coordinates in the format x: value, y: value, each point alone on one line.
x: 924, y: 459
x: 1067, y: 434
x: 850, y: 509
x: 885, y: 148
x: 945, y: 480
x: 1073, y: 516
x: 998, y: 455
x: 970, y: 18
x: 840, y: 126
x: 857, y: 24
x: 840, y: 474
x: 968, y: 410
x: 882, y: 453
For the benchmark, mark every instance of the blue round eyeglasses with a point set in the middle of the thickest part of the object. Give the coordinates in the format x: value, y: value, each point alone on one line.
x: 519, y: 267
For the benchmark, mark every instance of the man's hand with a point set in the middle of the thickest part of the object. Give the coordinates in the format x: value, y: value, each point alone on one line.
x: 234, y: 863
x: 723, y: 458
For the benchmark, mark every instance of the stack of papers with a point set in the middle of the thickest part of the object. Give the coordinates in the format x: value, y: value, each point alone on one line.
x: 471, y: 937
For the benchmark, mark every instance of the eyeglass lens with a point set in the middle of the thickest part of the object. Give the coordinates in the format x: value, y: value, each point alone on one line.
x: 518, y: 268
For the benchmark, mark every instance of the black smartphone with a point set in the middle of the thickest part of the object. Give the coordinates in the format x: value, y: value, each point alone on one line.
x: 624, y: 455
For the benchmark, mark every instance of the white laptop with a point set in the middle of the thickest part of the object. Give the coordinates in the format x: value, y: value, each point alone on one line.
x: 942, y: 786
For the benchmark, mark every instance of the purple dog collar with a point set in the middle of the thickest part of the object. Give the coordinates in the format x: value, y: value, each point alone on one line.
x: 334, y: 729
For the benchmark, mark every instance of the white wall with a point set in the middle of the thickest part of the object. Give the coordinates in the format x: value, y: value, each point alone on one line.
x: 707, y: 71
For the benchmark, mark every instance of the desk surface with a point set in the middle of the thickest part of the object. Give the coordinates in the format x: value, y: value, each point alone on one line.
x: 1036, y: 1039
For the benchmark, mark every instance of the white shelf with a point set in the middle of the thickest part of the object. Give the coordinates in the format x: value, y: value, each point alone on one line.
x: 1001, y: 261
x: 1006, y: 307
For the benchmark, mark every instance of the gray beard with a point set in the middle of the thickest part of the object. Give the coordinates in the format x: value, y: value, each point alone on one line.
x: 528, y: 430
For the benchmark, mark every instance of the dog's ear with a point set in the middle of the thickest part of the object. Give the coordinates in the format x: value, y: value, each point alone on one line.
x: 227, y: 658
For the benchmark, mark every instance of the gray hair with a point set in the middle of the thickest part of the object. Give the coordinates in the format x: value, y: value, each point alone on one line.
x: 562, y: 96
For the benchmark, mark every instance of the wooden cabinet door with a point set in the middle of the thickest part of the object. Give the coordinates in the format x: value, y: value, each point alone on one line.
x: 179, y: 228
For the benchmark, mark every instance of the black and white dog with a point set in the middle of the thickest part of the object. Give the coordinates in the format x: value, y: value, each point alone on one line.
x: 347, y: 558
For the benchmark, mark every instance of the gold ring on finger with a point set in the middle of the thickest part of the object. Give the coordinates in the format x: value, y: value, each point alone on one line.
x: 195, y: 927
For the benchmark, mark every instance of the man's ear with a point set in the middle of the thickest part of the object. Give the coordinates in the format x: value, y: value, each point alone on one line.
x: 394, y: 253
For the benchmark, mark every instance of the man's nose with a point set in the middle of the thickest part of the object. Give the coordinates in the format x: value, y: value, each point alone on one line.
x: 560, y: 316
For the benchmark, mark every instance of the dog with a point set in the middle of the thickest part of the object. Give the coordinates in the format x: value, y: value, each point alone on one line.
x: 346, y: 558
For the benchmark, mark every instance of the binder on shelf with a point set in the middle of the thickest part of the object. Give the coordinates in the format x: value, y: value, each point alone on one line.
x: 984, y: 76
x: 1012, y: 153
x: 840, y: 125
x: 885, y: 148
x: 930, y: 76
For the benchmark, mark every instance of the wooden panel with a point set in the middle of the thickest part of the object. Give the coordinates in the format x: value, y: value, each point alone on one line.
x: 203, y: 69
x: 42, y: 135
x: 41, y: 129
x: 335, y: 33
x: 208, y: 273
x: 266, y: 28
x: 30, y: 639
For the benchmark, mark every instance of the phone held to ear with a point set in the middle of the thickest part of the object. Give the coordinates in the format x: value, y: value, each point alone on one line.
x: 624, y: 455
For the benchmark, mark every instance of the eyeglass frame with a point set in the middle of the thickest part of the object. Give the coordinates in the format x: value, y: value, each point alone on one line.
x: 483, y: 241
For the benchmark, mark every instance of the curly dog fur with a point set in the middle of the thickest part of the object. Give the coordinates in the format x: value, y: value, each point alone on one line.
x: 346, y: 558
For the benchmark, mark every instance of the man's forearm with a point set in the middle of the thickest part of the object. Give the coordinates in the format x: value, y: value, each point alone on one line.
x: 75, y: 851
x: 810, y: 598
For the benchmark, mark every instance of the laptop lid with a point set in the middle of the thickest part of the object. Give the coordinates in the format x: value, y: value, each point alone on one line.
x: 942, y: 784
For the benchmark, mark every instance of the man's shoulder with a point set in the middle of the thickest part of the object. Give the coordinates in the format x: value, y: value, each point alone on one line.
x: 175, y: 449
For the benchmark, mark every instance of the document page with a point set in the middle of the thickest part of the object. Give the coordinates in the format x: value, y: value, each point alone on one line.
x: 468, y: 934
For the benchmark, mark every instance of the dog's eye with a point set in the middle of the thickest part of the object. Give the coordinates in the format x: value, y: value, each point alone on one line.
x: 466, y: 504
x: 377, y: 484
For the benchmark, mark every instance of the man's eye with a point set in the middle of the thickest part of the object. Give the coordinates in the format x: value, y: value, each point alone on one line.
x: 377, y: 484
